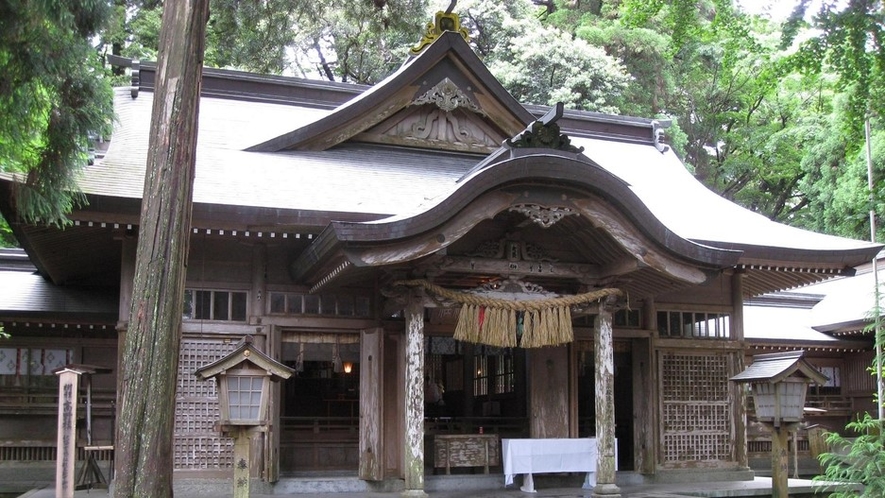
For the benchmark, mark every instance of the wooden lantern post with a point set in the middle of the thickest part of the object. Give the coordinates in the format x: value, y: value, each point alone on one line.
x: 243, y: 379
x: 779, y: 382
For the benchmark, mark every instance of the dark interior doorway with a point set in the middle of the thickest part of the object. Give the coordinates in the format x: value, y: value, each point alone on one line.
x: 319, y: 405
x: 623, y: 360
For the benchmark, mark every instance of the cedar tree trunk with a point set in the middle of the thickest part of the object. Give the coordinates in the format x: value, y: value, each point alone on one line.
x: 149, y: 365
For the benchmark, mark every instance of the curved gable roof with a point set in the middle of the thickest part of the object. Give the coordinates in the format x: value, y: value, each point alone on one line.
x: 449, y: 58
x: 535, y: 183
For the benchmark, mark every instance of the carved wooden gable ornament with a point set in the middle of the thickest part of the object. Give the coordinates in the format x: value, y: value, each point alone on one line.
x: 443, y: 98
x: 444, y: 117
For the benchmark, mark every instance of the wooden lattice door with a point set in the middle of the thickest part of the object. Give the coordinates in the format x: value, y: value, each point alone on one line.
x: 696, y: 416
x: 198, y: 445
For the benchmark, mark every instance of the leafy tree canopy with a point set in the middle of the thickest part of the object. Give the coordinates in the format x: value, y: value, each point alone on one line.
x: 561, y: 69
x: 851, y: 42
x: 54, y: 96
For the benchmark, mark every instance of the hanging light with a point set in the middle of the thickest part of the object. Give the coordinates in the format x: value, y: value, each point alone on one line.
x: 348, y: 367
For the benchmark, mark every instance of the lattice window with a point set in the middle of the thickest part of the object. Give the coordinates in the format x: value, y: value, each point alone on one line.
x: 694, y: 325
x: 697, y: 421
x: 197, y: 444
x: 294, y: 303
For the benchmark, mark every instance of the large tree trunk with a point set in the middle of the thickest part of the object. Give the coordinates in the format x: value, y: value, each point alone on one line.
x: 150, y: 355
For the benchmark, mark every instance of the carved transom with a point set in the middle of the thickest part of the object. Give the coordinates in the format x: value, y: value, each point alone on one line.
x: 546, y: 216
x: 513, y: 285
x: 511, y: 250
x: 447, y: 96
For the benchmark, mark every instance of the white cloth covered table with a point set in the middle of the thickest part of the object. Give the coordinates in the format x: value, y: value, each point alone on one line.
x: 532, y: 456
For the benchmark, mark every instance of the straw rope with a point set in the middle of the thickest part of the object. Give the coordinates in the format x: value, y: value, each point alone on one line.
x: 496, y: 322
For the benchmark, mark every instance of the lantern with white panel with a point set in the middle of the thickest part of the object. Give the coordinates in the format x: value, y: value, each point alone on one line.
x: 243, y: 379
x: 778, y: 383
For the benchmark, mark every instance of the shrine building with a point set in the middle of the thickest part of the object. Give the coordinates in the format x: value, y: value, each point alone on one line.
x: 443, y: 268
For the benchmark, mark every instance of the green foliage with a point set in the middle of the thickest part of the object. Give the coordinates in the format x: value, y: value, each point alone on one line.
x: 141, y: 33
x: 851, y: 43
x: 251, y: 36
x: 53, y: 96
x: 7, y: 239
x: 855, y: 461
x: 644, y: 53
x: 492, y: 24
x: 561, y: 69
x: 362, y: 43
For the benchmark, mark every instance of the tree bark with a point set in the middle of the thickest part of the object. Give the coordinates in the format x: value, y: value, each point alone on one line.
x: 146, y: 394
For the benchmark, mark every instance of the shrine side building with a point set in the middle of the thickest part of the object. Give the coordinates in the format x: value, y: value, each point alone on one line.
x: 554, y: 273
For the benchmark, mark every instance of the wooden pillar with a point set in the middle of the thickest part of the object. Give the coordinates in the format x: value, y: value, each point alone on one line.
x: 737, y: 303
x: 739, y: 393
x: 645, y: 394
x: 605, y: 402
x: 66, y: 457
x: 244, y: 437
x: 413, y: 467
x: 780, y: 462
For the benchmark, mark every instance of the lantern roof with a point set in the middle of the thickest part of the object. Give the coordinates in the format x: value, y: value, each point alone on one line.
x: 776, y: 367
x: 81, y: 369
x: 246, y: 352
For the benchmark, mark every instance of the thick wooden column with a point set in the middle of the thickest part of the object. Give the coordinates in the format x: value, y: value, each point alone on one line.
x: 413, y: 467
x: 739, y: 393
x: 605, y: 402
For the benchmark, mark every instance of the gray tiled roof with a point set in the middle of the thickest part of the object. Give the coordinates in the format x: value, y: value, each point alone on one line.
x: 781, y: 323
x: 352, y: 178
x: 362, y: 178
x: 777, y: 366
x: 28, y: 292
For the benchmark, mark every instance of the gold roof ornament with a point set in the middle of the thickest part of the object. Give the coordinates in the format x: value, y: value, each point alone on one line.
x: 442, y: 22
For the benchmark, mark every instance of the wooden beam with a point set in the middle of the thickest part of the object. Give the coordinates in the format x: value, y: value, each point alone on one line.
x: 505, y: 268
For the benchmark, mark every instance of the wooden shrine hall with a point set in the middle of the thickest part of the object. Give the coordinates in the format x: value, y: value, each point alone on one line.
x: 443, y: 268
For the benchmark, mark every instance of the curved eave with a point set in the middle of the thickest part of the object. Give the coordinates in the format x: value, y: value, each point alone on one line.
x: 395, y: 93
x: 547, y: 167
x: 754, y: 256
x: 772, y: 269
x: 846, y: 328
x: 501, y: 186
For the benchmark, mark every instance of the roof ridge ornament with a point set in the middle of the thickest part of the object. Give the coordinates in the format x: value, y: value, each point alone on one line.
x: 544, y: 134
x: 442, y: 22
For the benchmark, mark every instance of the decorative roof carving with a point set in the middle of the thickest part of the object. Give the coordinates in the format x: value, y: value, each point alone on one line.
x: 658, y: 132
x: 512, y: 286
x: 544, y: 133
x: 448, y: 97
x: 442, y: 22
x: 430, y: 126
x: 546, y: 216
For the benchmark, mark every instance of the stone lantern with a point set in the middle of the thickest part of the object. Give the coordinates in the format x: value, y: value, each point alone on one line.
x: 778, y: 383
x: 243, y: 379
